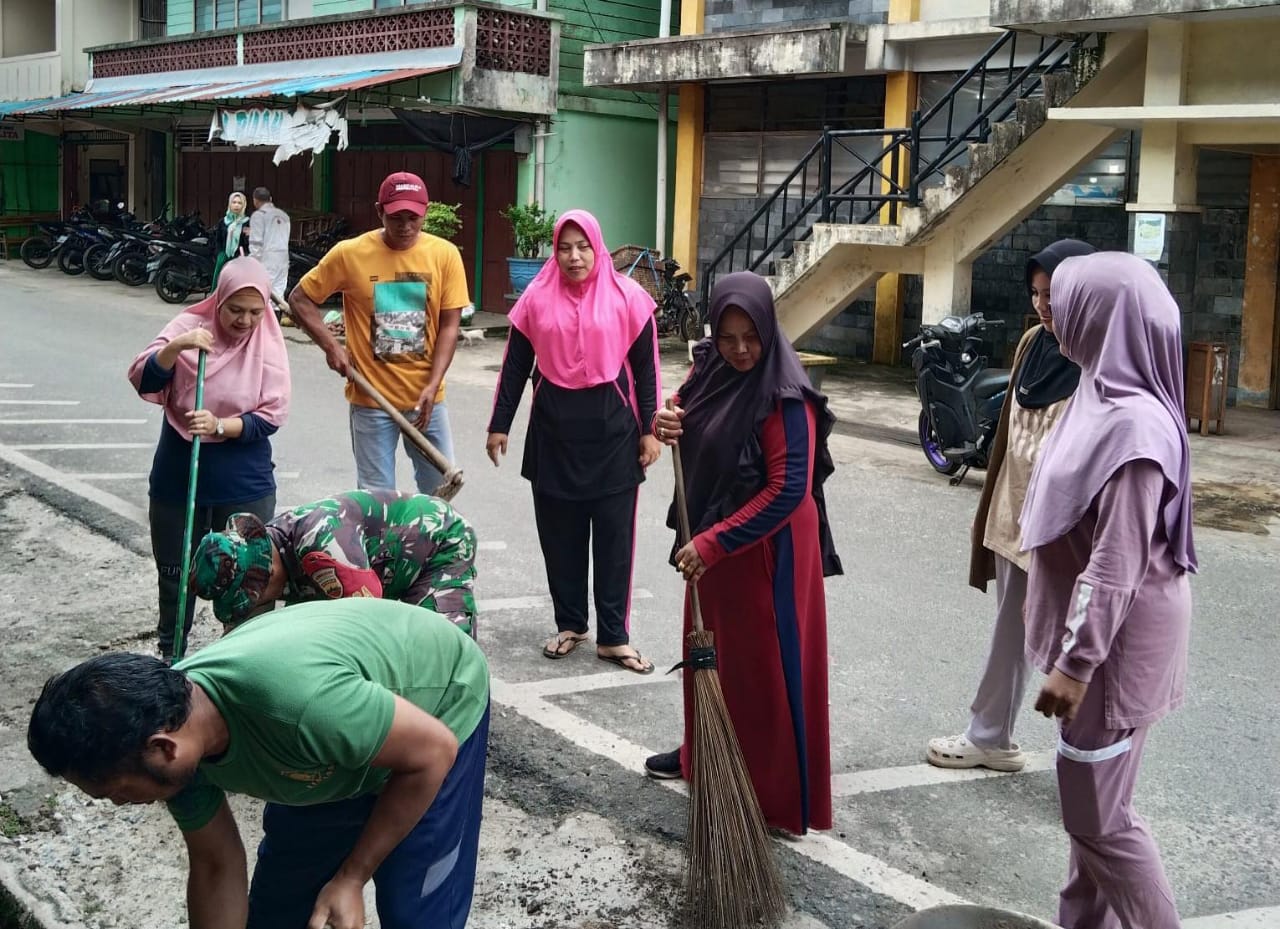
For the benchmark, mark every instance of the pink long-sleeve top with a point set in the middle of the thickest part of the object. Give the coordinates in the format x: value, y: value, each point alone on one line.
x: 1108, y: 596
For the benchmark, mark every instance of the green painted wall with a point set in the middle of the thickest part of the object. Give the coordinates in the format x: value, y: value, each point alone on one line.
x: 591, y: 22
x: 29, y: 176
x: 332, y: 7
x: 603, y: 164
x: 181, y: 15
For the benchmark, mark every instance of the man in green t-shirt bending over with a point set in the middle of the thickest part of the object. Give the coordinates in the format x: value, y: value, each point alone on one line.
x: 362, y: 722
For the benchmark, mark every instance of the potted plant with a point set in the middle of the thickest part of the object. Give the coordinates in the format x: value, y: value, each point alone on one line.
x: 534, y: 230
x: 442, y: 220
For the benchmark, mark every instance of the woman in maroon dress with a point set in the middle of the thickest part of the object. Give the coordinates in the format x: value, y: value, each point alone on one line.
x: 753, y: 437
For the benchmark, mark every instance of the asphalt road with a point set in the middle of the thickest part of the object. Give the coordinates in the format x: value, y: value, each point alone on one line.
x: 906, y: 636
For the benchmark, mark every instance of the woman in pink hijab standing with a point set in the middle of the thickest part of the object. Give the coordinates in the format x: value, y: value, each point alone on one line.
x: 591, y: 333
x: 246, y: 399
x: 1107, y: 521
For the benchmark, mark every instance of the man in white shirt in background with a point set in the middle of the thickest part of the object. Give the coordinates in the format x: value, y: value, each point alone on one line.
x: 269, y: 229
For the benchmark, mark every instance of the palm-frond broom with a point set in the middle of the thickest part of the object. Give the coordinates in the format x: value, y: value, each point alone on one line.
x: 732, y: 880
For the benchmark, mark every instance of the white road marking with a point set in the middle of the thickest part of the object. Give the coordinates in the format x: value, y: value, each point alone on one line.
x: 141, y: 475
x: 580, y: 732
x: 585, y: 683
x: 73, y: 422
x: 76, y: 446
x: 923, y: 775
x: 527, y: 699
x: 537, y: 601
x: 18, y: 386
x: 82, y: 488
x: 107, y: 475
x: 1266, y: 917
x: 40, y: 402
x: 871, y: 872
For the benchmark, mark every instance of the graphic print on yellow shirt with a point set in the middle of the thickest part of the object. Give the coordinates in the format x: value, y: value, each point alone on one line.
x: 400, y: 317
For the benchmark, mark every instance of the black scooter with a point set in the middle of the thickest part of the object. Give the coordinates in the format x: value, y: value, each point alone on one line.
x: 179, y: 269
x: 960, y: 397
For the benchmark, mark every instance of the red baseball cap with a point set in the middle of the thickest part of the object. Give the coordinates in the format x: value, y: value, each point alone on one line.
x: 403, y: 191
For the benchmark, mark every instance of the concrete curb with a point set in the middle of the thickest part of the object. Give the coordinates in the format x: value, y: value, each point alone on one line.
x: 93, y: 516
x: 22, y: 910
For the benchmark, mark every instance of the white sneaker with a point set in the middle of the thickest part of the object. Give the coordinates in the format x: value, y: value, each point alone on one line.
x: 956, y: 751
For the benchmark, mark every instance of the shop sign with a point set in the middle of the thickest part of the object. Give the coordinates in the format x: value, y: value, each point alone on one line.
x: 12, y: 132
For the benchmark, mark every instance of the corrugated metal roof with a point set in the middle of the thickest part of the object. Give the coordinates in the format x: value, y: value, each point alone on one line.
x: 14, y: 106
x: 224, y: 90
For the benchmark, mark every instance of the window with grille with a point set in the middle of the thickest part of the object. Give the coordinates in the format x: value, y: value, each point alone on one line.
x: 228, y: 14
x: 756, y: 133
x: 152, y: 18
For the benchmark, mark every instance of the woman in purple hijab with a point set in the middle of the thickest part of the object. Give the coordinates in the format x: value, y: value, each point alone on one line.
x: 1107, y: 521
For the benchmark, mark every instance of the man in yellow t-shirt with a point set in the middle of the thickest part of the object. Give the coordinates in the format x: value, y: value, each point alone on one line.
x: 403, y: 292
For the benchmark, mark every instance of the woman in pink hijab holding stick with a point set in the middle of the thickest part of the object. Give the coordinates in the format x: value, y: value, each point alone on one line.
x: 246, y: 397
x: 1107, y: 521
x: 590, y: 331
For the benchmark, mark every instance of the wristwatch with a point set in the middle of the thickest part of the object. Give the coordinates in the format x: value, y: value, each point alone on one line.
x: 218, y: 428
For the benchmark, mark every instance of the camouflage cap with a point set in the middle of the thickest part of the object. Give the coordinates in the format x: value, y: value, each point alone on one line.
x: 231, y: 569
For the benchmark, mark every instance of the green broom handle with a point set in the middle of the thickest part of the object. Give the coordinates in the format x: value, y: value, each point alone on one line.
x: 682, y: 515
x: 180, y: 624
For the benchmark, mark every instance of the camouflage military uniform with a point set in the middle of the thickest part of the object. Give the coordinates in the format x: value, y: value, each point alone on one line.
x: 380, y: 543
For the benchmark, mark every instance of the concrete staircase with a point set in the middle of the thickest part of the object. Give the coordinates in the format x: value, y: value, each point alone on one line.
x: 1006, y: 178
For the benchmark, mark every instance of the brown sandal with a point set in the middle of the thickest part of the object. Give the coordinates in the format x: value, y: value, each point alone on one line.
x: 646, y: 666
x: 561, y: 639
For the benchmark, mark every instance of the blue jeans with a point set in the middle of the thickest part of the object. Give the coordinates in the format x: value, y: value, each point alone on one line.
x: 373, y: 440
x: 425, y: 883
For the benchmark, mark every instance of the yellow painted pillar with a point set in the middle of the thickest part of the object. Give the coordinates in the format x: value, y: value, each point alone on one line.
x: 901, y: 92
x: 1258, y: 322
x: 688, y: 192
x: 688, y: 187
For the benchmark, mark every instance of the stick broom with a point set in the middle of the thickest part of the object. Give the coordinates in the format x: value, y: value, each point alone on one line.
x: 733, y: 880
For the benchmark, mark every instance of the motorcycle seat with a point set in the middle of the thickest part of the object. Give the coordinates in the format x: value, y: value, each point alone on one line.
x: 990, y: 382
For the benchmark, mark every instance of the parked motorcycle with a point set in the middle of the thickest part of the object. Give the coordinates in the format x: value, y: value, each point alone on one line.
x: 39, y: 251
x: 129, y: 264
x: 960, y: 397
x: 179, y: 269
x: 307, y: 254
x: 71, y: 249
x: 676, y: 311
x: 99, y: 257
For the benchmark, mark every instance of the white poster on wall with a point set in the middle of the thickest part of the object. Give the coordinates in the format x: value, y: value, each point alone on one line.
x: 1148, y: 236
x: 306, y: 128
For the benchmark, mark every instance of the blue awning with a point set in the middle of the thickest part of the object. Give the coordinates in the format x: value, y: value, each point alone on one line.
x: 220, y: 90
x: 9, y: 107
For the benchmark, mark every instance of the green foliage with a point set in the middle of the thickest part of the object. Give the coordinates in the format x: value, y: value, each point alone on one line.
x: 442, y: 219
x: 534, y: 228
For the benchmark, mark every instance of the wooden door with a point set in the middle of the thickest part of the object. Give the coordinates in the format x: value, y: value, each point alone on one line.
x: 358, y: 174
x: 207, y: 179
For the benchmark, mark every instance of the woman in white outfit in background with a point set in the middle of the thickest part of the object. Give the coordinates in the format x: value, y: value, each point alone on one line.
x: 1041, y: 384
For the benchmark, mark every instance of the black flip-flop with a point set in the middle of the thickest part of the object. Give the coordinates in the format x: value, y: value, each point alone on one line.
x: 621, y: 662
x: 555, y: 654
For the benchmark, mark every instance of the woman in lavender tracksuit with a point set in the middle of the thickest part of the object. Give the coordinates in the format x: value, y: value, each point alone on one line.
x: 1108, y: 523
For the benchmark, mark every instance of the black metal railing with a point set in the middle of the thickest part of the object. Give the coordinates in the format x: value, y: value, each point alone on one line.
x: 836, y: 182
